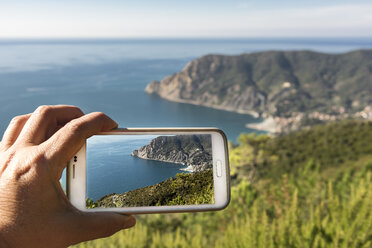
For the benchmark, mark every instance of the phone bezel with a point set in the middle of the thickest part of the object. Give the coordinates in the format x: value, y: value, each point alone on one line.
x: 76, y: 187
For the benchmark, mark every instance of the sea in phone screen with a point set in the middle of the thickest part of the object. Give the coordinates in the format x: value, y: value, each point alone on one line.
x: 149, y: 170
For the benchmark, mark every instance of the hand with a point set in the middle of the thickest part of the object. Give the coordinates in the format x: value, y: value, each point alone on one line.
x: 34, y: 210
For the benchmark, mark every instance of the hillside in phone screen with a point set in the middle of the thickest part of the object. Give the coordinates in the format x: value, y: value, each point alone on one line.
x: 149, y: 170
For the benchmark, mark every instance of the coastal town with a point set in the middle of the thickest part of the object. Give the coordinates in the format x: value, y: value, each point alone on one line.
x: 297, y: 120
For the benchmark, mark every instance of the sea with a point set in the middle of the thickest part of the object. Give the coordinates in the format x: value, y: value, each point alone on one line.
x: 122, y: 171
x: 110, y: 75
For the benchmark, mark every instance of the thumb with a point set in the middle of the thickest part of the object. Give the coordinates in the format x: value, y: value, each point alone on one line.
x: 87, y: 226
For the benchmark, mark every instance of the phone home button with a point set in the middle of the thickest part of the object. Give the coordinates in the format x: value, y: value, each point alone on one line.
x: 219, y: 168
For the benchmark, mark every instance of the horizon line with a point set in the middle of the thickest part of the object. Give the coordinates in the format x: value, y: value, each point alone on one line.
x: 182, y: 38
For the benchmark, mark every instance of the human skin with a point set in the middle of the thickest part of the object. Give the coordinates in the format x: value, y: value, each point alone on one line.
x: 34, y: 210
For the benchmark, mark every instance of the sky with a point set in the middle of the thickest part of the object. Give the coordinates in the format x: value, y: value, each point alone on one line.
x: 184, y: 19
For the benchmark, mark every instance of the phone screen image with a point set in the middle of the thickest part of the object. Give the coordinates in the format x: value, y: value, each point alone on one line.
x: 149, y: 170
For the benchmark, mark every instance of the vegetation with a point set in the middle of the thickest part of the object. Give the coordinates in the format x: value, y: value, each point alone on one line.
x: 331, y: 145
x: 89, y: 203
x: 183, y: 189
x: 311, y: 189
x: 275, y: 82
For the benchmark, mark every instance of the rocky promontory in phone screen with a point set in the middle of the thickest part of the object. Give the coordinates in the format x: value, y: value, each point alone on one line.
x: 149, y: 170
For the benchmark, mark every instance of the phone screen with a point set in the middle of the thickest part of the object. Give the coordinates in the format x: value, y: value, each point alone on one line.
x: 149, y: 170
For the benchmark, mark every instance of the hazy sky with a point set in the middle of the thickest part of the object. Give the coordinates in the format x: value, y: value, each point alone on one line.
x: 187, y: 18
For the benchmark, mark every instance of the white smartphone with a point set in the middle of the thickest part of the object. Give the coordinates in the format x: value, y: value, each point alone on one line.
x: 151, y: 170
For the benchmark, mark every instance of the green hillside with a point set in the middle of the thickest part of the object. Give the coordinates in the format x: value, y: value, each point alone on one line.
x: 308, y: 189
x: 183, y: 189
x: 328, y: 146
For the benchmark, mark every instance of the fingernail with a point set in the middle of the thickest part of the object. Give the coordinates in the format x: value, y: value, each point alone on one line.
x: 129, y: 221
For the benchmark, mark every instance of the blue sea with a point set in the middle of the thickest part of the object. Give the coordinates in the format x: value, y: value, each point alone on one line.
x: 123, y: 172
x: 111, y: 75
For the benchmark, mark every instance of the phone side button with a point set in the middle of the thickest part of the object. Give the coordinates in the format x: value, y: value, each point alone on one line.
x: 219, y: 168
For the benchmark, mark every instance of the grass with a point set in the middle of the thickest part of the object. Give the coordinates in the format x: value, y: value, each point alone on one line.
x: 315, y: 201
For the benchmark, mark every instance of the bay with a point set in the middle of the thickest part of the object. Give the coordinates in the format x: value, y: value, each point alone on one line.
x: 112, y: 169
x: 111, y: 75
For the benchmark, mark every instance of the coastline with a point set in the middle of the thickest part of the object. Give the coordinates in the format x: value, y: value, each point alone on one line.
x: 268, y: 125
x: 189, y: 168
x: 197, y: 103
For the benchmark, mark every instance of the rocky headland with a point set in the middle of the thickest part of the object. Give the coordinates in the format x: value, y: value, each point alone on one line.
x: 193, y: 151
x: 288, y: 89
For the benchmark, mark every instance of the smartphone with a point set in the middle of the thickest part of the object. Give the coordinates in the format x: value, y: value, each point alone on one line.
x: 151, y: 170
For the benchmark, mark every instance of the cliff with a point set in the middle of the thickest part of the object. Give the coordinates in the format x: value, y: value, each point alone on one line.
x: 274, y: 83
x: 194, y: 151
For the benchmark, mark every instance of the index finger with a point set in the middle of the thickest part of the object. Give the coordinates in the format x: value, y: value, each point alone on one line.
x: 65, y: 143
x: 43, y: 122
